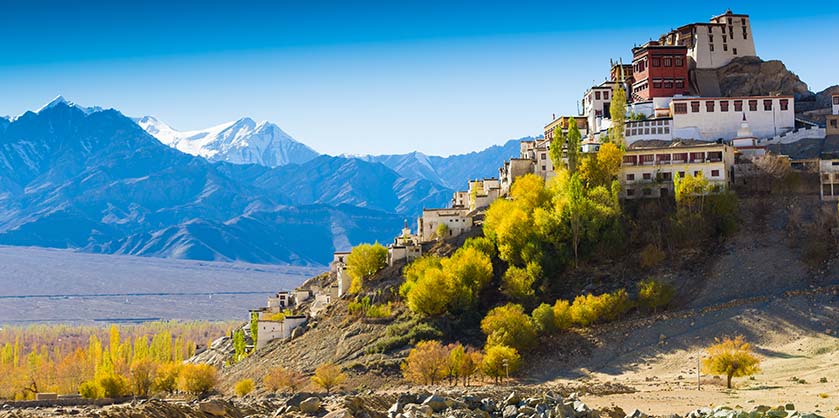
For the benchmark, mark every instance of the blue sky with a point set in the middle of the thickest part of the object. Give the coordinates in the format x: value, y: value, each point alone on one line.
x: 362, y: 77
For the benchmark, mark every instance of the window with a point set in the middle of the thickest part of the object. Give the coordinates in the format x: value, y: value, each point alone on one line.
x: 738, y: 105
x: 745, y: 35
x: 697, y: 173
x: 724, y: 106
x: 646, y: 131
x: 544, y: 168
x: 709, y: 106
x: 680, y: 83
x: 597, y: 95
x: 834, y: 123
x: 668, y: 84
x: 679, y: 62
x: 694, y: 107
x: 657, y: 83
x: 667, y: 176
x: 630, y: 177
x: 712, y: 47
x: 680, y: 108
x: 682, y: 156
x: 668, y: 62
x: 784, y: 104
x: 682, y: 174
x: 605, y: 95
x: 752, y: 105
x: 735, y: 51
x: 767, y: 105
x: 725, y: 47
x: 544, y: 156
x: 647, y: 176
x: 630, y: 192
x: 711, y: 38
x: 715, y: 173
x: 656, y: 62
x: 697, y: 157
x: 836, y: 100
x: 724, y: 40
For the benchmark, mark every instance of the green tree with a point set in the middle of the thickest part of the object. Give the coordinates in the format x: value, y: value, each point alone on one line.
x: 501, y: 361
x: 654, y: 294
x: 254, y: 327
x: 364, y: 261
x: 238, y: 345
x: 430, y: 295
x: 508, y: 325
x: 517, y: 284
x: 731, y: 358
x: 556, y: 146
x: 574, y: 138
x: 543, y: 318
x: 578, y: 211
x: 617, y: 112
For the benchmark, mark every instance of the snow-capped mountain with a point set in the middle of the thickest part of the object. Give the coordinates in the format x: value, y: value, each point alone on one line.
x: 241, y: 142
x: 61, y: 100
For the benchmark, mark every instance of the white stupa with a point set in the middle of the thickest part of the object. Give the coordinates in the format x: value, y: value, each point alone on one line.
x: 746, y: 142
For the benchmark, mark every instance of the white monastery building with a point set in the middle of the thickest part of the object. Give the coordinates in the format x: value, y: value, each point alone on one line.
x: 714, y: 44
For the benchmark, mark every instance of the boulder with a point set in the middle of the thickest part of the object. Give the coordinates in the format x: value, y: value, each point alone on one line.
x: 215, y: 407
x: 512, y: 399
x: 637, y: 414
x: 527, y: 410
x: 436, y: 402
x: 488, y: 405
x: 509, y: 411
x: 310, y: 405
x: 581, y: 409
x: 413, y: 410
x: 340, y: 413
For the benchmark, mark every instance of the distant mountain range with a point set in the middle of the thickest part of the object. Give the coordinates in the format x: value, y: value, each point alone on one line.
x: 241, y: 142
x: 94, y: 180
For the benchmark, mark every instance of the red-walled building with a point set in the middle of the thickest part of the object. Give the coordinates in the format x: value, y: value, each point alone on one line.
x: 659, y: 71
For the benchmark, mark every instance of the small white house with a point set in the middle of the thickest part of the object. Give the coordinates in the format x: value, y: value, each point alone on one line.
x: 271, y: 330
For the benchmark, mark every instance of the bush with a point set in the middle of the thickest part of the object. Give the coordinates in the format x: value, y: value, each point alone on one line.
x: 403, y: 334
x: 499, y: 361
x: 328, y: 376
x: 114, y: 386
x: 280, y: 378
x: 543, y: 318
x: 731, y: 358
x: 167, y: 377
x: 426, y: 363
x: 654, y: 294
x: 562, y: 314
x: 244, y: 387
x: 509, y: 326
x: 651, y: 256
x: 142, y: 376
x: 589, y: 309
x: 90, y: 390
x: 379, y: 311
x: 517, y: 284
x: 197, y: 379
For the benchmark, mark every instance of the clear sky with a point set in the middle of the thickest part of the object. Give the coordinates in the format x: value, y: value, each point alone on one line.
x: 441, y: 77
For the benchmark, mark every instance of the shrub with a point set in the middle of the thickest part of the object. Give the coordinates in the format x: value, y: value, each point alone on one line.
x: 543, y: 318
x: 167, y: 377
x: 364, y: 261
x: 142, y: 376
x: 197, y: 379
x: 90, y: 390
x: 379, y: 311
x: 244, y: 387
x: 517, y: 284
x: 280, y: 378
x: 654, y: 294
x: 482, y: 244
x: 328, y: 376
x: 589, y: 309
x: 114, y: 386
x: 651, y: 256
x: 562, y: 314
x: 426, y: 363
x: 508, y: 325
x: 731, y: 358
x: 500, y: 361
x: 404, y: 334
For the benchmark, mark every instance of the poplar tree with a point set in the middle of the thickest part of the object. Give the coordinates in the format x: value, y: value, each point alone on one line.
x: 617, y: 111
x: 574, y: 138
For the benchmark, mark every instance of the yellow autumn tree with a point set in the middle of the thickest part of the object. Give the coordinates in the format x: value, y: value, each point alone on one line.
x: 731, y: 358
x: 328, y: 376
x: 500, y: 361
x: 508, y: 325
x: 426, y: 363
x: 364, y: 261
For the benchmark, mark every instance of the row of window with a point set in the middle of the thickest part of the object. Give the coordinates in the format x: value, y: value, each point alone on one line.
x: 710, y: 106
x: 679, y: 157
x: 669, y: 176
x: 724, y: 48
x: 648, y: 131
x: 659, y: 61
x: 645, y: 123
x: 665, y: 83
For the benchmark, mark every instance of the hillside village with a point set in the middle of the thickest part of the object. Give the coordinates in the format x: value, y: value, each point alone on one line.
x: 675, y: 125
